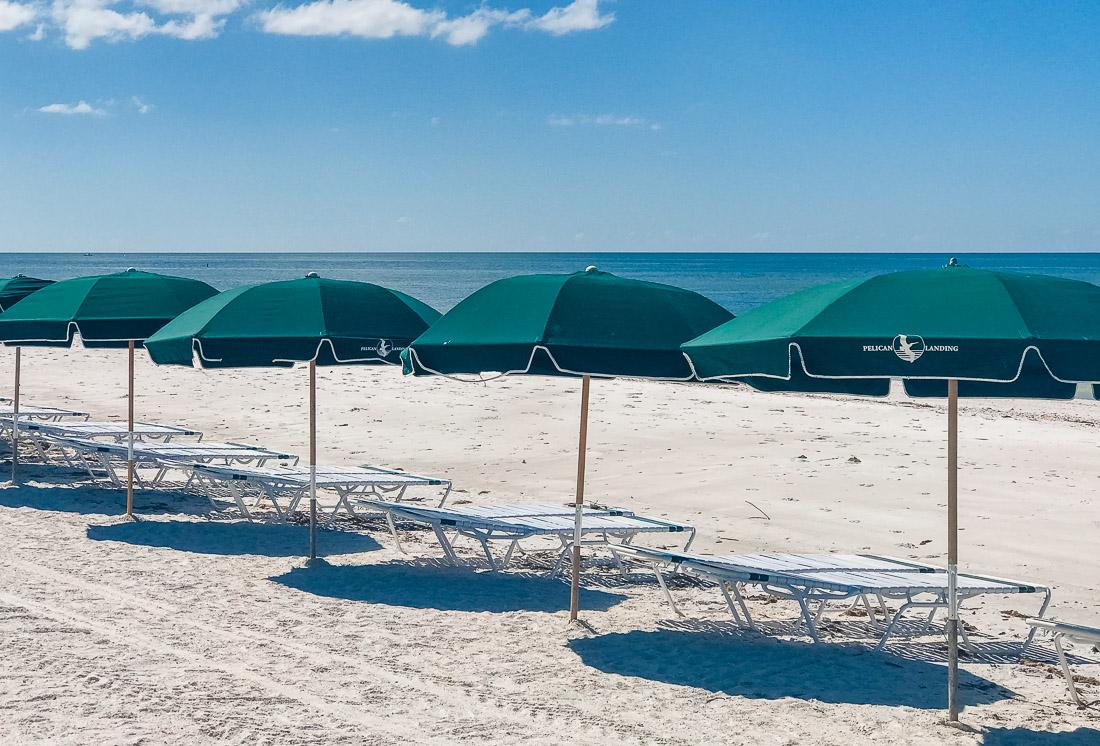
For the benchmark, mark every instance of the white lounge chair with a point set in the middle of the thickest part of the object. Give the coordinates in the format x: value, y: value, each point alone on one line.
x: 351, y: 484
x: 34, y: 413
x: 810, y: 579
x: 41, y: 434
x: 515, y: 523
x: 1074, y: 633
x: 162, y: 457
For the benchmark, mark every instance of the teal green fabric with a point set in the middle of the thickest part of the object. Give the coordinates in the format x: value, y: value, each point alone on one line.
x: 585, y: 323
x: 1012, y: 334
x: 279, y: 323
x: 107, y: 310
x: 17, y: 288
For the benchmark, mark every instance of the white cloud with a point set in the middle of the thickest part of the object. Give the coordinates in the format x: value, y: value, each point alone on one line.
x: 70, y: 109
x: 38, y: 34
x: 383, y: 19
x: 608, y: 119
x: 370, y: 19
x: 84, y: 21
x: 470, y: 29
x: 13, y: 15
x: 602, y: 120
x: 141, y: 106
x: 579, y: 15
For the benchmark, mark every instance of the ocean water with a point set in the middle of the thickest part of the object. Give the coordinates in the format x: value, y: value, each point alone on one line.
x: 736, y: 281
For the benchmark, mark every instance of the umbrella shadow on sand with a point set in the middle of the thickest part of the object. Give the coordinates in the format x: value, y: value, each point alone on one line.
x: 1025, y: 737
x: 440, y: 586
x: 232, y: 538
x: 757, y: 667
x: 67, y: 497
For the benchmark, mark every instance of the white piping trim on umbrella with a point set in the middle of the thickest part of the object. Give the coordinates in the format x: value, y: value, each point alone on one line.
x: 531, y: 361
x: 196, y: 346
x: 802, y: 358
x: 70, y: 328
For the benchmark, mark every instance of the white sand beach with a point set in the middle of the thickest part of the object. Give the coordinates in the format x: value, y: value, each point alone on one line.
x: 192, y: 627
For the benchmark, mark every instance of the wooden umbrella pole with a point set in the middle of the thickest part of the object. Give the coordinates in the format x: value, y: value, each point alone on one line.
x: 313, y: 459
x: 15, y: 420
x: 130, y: 440
x: 952, y: 549
x: 575, y: 586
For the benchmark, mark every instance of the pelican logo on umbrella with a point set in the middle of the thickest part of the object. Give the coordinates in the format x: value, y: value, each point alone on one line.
x: 384, y: 348
x: 908, y: 347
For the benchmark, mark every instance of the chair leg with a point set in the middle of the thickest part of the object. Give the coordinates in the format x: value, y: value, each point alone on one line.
x: 893, y: 623
x: 744, y: 607
x: 729, y: 601
x: 393, y: 531
x: 808, y: 618
x: 1069, y: 674
x: 664, y: 588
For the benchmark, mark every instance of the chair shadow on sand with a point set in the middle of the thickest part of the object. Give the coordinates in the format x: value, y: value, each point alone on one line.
x: 436, y: 585
x: 760, y: 667
x: 233, y: 538
x: 1025, y: 737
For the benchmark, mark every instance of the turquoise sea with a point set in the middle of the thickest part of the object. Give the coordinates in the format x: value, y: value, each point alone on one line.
x: 737, y: 281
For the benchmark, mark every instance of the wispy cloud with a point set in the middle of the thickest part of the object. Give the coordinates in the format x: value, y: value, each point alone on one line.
x: 140, y: 105
x: 13, y: 15
x: 601, y: 120
x: 383, y: 19
x: 71, y: 109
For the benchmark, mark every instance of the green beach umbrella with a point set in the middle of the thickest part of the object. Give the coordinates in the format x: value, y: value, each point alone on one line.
x: 117, y: 310
x: 309, y: 320
x: 953, y: 331
x: 12, y: 291
x: 583, y: 324
x: 17, y: 288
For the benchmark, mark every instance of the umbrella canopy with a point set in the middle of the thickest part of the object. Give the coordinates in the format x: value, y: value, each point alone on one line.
x: 105, y: 310
x: 118, y: 310
x: 309, y: 320
x: 17, y: 288
x: 585, y: 323
x: 954, y: 331
x: 332, y: 322
x: 997, y: 333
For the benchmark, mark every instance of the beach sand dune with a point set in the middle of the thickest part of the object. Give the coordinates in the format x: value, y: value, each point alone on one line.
x: 188, y: 626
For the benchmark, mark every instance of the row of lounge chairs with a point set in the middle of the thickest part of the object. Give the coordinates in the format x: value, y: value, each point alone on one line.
x: 249, y: 475
x: 252, y: 476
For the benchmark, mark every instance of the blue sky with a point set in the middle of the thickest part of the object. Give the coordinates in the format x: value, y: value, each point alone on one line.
x: 716, y: 125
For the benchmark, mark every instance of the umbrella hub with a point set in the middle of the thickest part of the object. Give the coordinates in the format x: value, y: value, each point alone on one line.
x: 313, y: 275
